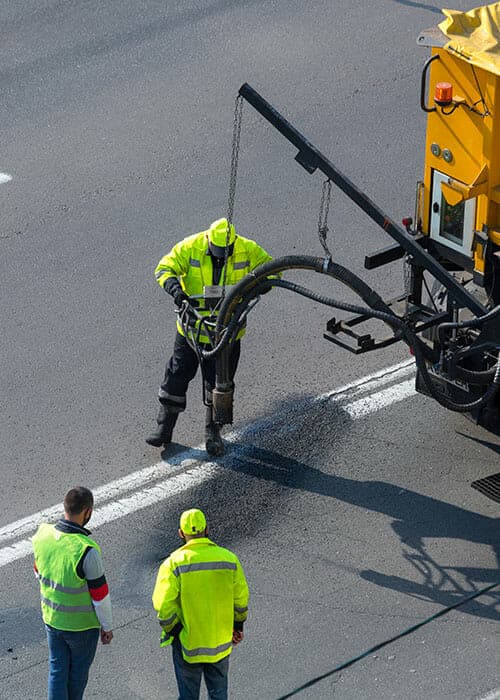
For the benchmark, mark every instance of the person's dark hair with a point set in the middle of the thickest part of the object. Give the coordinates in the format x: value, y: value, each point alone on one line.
x: 77, y: 500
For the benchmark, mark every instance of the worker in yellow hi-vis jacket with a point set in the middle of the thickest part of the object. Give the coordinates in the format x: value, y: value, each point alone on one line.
x: 209, y: 260
x: 201, y: 597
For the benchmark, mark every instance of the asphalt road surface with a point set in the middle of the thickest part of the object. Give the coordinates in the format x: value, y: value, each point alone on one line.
x: 346, y: 495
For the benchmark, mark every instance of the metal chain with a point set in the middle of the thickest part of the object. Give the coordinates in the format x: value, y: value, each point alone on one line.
x: 324, y: 208
x: 238, y: 109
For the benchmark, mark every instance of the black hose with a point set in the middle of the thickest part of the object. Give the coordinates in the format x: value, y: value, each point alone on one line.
x: 473, y: 376
x: 478, y: 377
x: 301, y: 262
x: 471, y: 323
x: 238, y: 298
x: 390, y: 319
x: 411, y: 339
x: 248, y: 288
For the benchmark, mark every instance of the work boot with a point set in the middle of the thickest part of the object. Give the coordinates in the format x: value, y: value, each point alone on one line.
x: 163, y: 434
x: 213, y: 440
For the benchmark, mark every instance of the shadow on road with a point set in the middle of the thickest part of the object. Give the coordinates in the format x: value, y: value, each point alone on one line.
x: 415, y: 518
x: 485, y: 443
x: 418, y: 5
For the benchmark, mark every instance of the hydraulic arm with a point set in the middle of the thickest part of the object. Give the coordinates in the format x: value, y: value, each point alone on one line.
x: 455, y: 344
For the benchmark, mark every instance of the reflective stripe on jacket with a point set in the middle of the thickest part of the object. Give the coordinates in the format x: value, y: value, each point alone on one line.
x: 65, y: 598
x: 190, y: 262
x: 202, y: 587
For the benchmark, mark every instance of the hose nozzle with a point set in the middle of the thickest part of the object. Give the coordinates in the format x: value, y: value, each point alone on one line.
x: 222, y: 404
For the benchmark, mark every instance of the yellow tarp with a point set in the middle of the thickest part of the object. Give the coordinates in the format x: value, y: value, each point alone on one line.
x: 475, y: 35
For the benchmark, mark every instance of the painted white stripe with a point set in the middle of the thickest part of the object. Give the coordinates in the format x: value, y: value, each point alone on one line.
x: 189, y: 469
x: 492, y: 695
x: 386, y: 397
x: 18, y: 550
x: 125, y: 506
x: 5, y: 177
x: 148, y: 497
x: 139, y: 478
x: 114, y: 489
x: 372, y: 381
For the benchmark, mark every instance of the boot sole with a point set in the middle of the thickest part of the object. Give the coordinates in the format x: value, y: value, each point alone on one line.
x: 155, y: 442
x: 215, y: 449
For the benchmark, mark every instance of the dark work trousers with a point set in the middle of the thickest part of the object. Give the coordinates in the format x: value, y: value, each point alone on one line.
x: 189, y: 676
x: 181, y: 369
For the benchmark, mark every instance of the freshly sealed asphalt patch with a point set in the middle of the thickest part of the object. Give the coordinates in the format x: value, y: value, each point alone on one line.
x: 489, y: 486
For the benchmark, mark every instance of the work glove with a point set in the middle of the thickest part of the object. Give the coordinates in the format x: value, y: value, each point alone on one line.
x: 266, y: 287
x: 180, y: 297
x: 172, y: 286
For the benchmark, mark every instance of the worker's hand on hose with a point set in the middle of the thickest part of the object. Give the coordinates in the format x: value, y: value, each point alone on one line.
x: 185, y: 309
x: 180, y: 297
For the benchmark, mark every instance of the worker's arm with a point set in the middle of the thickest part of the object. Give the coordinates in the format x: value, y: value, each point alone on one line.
x: 240, y: 596
x: 259, y: 256
x: 166, y: 602
x: 93, y: 571
x: 172, y: 266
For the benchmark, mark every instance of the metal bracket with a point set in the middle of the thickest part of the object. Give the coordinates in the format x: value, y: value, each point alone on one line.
x: 420, y: 316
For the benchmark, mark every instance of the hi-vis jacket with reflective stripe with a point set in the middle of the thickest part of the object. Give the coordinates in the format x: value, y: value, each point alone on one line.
x: 190, y: 262
x: 66, y: 601
x: 202, y: 587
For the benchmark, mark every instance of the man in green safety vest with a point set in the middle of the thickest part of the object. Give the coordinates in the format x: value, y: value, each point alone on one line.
x: 76, y: 606
x: 199, y: 266
x: 201, y: 597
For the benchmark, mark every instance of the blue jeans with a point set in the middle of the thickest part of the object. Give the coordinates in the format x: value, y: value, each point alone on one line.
x: 70, y: 657
x: 189, y: 676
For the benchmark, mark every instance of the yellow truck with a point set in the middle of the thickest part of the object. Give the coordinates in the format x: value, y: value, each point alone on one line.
x: 459, y: 198
x: 449, y: 310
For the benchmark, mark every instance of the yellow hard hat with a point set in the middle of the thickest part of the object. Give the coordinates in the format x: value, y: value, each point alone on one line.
x: 219, y: 237
x: 193, y: 522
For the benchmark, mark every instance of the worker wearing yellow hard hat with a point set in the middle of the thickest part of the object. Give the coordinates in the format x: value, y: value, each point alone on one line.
x: 194, y: 272
x: 201, y: 597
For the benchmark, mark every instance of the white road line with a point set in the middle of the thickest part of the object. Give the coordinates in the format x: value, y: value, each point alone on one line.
x: 492, y: 695
x: 138, y: 479
x: 386, y: 397
x: 372, y: 381
x: 114, y: 489
x: 5, y: 177
x: 188, y: 468
x: 125, y: 506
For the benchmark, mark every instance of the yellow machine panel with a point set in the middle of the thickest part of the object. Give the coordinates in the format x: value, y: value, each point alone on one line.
x: 460, y: 209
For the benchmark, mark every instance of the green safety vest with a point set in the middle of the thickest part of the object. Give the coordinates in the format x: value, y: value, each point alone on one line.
x: 189, y: 261
x: 65, y: 597
x: 202, y: 587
